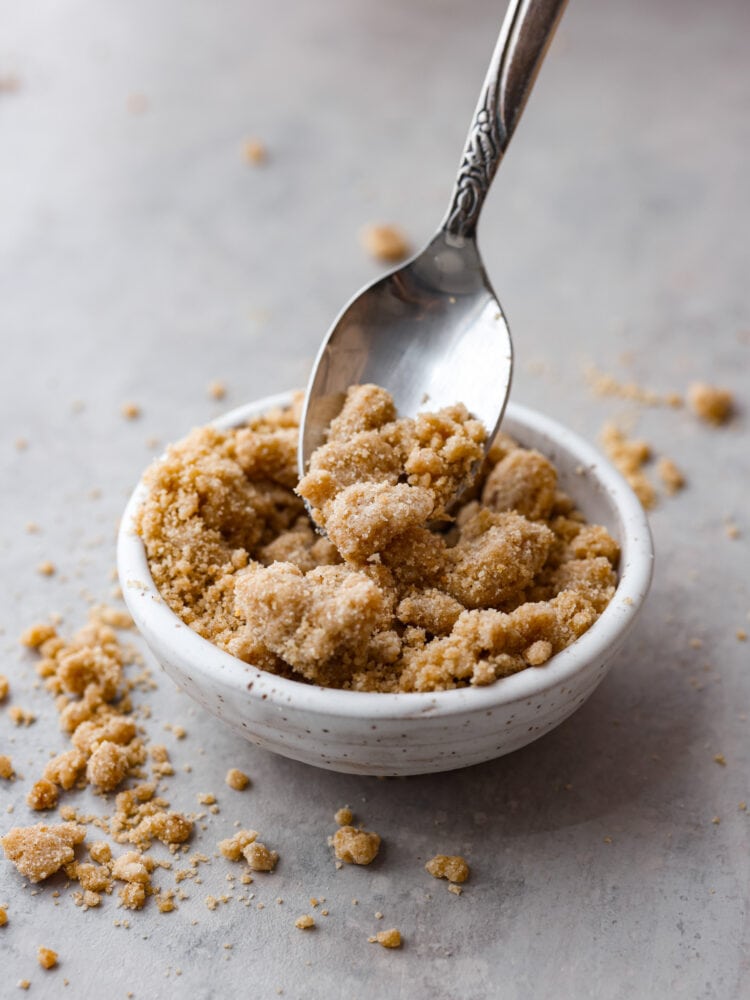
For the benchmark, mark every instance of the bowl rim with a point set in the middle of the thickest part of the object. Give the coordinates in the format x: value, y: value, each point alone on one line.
x: 161, y: 627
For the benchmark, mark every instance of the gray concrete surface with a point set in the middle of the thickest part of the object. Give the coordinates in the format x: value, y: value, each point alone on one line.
x: 141, y: 257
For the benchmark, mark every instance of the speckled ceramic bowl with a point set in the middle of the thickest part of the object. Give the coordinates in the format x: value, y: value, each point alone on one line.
x: 398, y: 734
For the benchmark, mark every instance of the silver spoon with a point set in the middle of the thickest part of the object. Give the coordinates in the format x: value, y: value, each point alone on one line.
x: 432, y: 331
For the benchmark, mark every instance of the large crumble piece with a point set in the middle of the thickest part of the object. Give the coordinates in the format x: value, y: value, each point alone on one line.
x: 450, y: 866
x: 355, y: 847
x: 410, y: 591
x: 40, y: 851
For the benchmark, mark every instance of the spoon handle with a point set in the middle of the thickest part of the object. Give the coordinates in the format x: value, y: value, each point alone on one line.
x: 524, y: 37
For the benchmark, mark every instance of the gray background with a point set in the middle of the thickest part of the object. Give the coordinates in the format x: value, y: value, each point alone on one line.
x: 140, y: 256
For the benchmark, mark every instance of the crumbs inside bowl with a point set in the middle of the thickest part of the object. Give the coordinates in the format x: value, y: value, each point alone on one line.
x: 405, y: 593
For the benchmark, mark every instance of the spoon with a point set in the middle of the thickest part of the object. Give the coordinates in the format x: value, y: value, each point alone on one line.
x: 432, y: 331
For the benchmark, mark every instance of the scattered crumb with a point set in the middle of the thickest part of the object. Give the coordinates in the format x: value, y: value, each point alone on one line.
x: 46, y: 568
x: 716, y: 820
x: 452, y: 867
x: 21, y: 716
x: 9, y: 83
x: 24, y: 984
x: 355, y: 847
x: 629, y: 455
x: 259, y: 858
x: 742, y: 807
x: 131, y: 411
x: 232, y: 847
x: 6, y: 767
x: 4, y: 687
x: 604, y: 384
x: 741, y: 635
x: 254, y: 151
x: 719, y: 758
x: 388, y: 939
x: 40, y: 851
x: 217, y: 389
x: 344, y: 816
x: 46, y: 957
x: 305, y: 922
x: 42, y: 795
x: 136, y: 104
x: 455, y: 889
x: 237, y: 779
x: 670, y: 476
x: 385, y: 242
x: 3, y: 916
x: 732, y: 530
x: 710, y: 403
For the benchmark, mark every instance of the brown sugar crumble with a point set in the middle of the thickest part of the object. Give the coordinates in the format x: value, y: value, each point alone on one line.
x: 46, y: 957
x: 710, y: 403
x: 452, y: 867
x: 254, y: 152
x: 131, y: 411
x: 237, y: 779
x: 3, y: 916
x: 305, y: 922
x: 344, y: 816
x: 405, y: 593
x: 355, y: 847
x: 387, y: 939
x: 4, y: 687
x: 46, y: 568
x: 217, y: 389
x: 385, y: 242
x: 6, y: 767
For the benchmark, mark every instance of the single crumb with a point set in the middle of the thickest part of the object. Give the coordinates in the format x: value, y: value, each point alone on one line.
x: 217, y: 389
x: 355, y: 847
x: 46, y: 568
x: 719, y: 758
x: 42, y: 795
x: 732, y: 530
x: 259, y: 858
x: 46, y: 957
x: 455, y: 889
x: 670, y: 476
x: 3, y: 916
x: 630, y: 455
x: 344, y: 816
x: 710, y: 403
x: 206, y: 798
x: 453, y: 867
x: 35, y: 635
x: 742, y: 806
x: 131, y: 411
x: 24, y: 984
x: 385, y: 242
x: 254, y: 151
x: 40, y: 851
x: 136, y: 104
x: 4, y: 687
x: 21, y: 716
x: 387, y: 939
x: 741, y: 635
x: 716, y: 820
x: 6, y: 767
x: 237, y: 779
x: 305, y: 922
x: 9, y: 83
x: 232, y: 847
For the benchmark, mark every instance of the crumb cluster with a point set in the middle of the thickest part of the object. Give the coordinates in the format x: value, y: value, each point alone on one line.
x: 406, y: 592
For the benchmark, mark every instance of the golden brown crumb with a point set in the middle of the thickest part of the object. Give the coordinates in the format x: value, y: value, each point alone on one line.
x: 385, y: 242
x: 4, y: 687
x: 24, y: 984
x: 344, y: 816
x: 604, y: 384
x: 101, y: 852
x: 21, y: 716
x: 254, y: 151
x: 39, y: 851
x: 305, y: 922
x: 237, y: 779
x: 670, y: 476
x: 42, y: 795
x: 131, y: 411
x: 3, y: 916
x: 165, y: 901
x: 710, y: 403
x: 6, y: 767
x: 259, y: 858
x: 630, y: 455
x: 9, y: 83
x: 355, y: 847
x: 46, y: 957
x: 35, y: 635
x: 741, y: 635
x: 132, y: 896
x: 719, y: 758
x: 137, y: 104
x: 387, y: 939
x: 46, y: 568
x: 455, y: 889
x: 453, y: 867
x: 217, y: 389
x: 232, y: 847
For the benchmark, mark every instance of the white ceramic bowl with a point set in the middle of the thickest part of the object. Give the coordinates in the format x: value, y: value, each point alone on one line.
x: 398, y: 734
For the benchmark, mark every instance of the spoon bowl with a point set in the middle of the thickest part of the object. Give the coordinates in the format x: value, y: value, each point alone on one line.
x: 418, y: 331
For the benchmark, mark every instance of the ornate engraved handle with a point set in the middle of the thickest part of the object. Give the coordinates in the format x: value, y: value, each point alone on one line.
x: 526, y: 32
